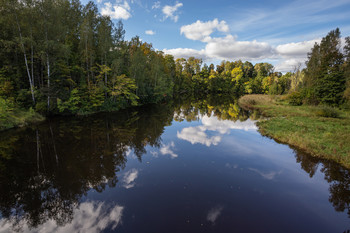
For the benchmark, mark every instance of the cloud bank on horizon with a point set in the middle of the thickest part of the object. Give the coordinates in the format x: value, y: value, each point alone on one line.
x: 228, y: 47
x: 281, y: 33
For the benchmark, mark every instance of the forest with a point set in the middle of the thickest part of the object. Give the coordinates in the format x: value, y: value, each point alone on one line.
x: 62, y: 57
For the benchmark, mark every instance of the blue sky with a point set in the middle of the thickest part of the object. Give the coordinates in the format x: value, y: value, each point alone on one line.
x: 279, y: 32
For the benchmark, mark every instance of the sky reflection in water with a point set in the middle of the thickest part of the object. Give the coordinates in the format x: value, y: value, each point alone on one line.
x: 165, y: 169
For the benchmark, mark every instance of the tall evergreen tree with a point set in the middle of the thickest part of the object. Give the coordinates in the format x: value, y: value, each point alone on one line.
x: 324, y: 73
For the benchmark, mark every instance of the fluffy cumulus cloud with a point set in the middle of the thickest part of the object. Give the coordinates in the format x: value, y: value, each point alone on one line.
x: 228, y: 47
x: 121, y: 10
x: 171, y: 11
x: 293, y: 55
x: 150, y: 32
x: 89, y: 217
x: 202, y: 30
x: 296, y: 49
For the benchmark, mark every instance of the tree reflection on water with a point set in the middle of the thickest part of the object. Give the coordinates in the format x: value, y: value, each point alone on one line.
x: 46, y: 170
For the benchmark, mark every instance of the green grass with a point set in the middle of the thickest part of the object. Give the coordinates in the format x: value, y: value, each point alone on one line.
x: 304, y: 127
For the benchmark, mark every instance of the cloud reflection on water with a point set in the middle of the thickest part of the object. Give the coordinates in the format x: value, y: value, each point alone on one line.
x: 129, y: 178
x: 89, y: 217
x: 214, y: 213
x: 199, y: 135
x: 266, y: 175
x: 168, y: 150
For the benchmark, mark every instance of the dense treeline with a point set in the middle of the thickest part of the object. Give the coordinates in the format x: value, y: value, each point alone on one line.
x: 61, y: 57
x: 236, y: 78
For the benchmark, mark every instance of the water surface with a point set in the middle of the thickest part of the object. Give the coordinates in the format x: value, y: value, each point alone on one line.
x: 199, y: 166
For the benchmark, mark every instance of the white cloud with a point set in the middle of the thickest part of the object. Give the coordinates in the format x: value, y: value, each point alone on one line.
x: 89, y: 217
x: 196, y: 135
x: 186, y: 53
x: 226, y: 48
x: 202, y: 30
x: 214, y: 213
x: 289, y: 65
x: 150, y: 32
x: 118, y: 11
x: 156, y: 5
x: 168, y: 150
x: 170, y: 11
x: 129, y: 178
x: 299, y: 49
x: 293, y: 54
x: 229, y: 48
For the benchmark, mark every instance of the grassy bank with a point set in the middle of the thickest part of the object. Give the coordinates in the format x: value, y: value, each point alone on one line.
x: 305, y: 127
x: 18, y: 118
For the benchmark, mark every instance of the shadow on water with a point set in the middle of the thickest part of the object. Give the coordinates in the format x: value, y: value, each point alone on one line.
x: 46, y: 170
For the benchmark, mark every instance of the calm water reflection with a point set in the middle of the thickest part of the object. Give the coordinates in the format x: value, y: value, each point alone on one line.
x: 194, y: 166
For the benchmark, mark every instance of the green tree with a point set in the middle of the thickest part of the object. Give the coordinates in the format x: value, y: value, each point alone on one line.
x: 324, y: 73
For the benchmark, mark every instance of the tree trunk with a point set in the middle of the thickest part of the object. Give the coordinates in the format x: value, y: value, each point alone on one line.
x: 87, y: 62
x: 48, y: 81
x: 26, y: 61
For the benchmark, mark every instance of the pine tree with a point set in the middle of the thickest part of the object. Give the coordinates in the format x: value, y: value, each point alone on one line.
x: 324, y: 73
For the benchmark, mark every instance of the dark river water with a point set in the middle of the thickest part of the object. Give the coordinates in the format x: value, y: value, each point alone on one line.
x: 194, y: 166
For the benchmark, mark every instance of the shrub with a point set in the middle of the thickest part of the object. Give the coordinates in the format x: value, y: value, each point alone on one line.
x: 326, y: 111
x: 310, y: 97
x: 41, y: 107
x: 295, y: 98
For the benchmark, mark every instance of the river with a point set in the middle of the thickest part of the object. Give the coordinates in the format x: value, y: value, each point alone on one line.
x: 185, y: 166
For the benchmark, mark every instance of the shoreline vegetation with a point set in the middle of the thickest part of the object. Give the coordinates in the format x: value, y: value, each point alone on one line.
x: 19, y: 118
x: 309, y: 128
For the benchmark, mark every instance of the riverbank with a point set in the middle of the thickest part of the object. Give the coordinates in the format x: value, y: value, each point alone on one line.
x: 304, y: 126
x: 18, y: 118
